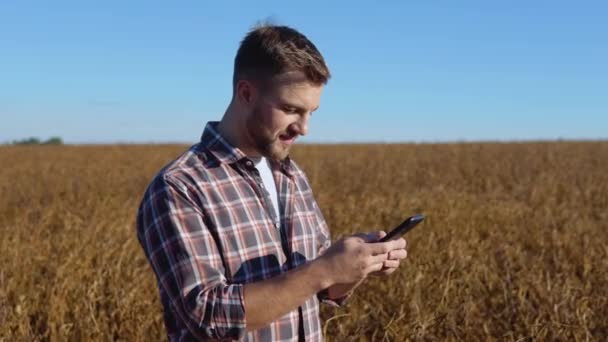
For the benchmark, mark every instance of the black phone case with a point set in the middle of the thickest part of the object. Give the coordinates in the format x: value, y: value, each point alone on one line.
x: 403, y: 228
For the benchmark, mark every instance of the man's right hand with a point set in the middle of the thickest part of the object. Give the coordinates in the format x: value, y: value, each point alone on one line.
x: 339, y: 270
x: 352, y: 258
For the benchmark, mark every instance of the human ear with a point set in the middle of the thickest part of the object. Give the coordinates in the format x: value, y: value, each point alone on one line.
x: 246, y: 91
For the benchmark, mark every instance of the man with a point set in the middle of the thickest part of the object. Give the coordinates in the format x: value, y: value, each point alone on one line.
x: 238, y: 244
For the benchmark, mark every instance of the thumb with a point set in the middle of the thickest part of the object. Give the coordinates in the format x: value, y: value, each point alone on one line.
x: 375, y: 236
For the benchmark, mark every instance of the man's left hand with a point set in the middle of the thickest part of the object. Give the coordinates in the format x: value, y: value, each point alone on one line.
x: 392, y: 262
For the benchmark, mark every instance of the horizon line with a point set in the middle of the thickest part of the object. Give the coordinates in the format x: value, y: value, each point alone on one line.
x: 345, y: 142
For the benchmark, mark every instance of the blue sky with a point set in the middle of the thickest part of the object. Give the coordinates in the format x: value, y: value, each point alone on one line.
x: 414, y: 71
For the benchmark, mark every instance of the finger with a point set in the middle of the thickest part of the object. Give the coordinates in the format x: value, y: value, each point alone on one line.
x: 399, y: 243
x: 385, y: 247
x: 387, y: 271
x: 375, y: 236
x: 391, y: 264
x: 380, y: 247
x: 397, y: 254
x: 379, y: 258
x: 374, y: 268
x: 383, y: 272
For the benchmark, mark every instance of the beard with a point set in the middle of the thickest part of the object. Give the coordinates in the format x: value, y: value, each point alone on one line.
x: 267, y: 144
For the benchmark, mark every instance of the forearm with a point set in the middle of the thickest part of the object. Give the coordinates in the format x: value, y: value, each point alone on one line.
x: 268, y: 300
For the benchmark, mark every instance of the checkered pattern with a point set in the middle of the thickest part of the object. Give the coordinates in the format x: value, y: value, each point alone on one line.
x: 207, y: 226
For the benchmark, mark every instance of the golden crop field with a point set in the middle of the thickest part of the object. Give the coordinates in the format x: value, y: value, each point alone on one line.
x: 515, y: 245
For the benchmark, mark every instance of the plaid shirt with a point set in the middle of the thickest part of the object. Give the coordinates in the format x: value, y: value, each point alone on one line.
x: 207, y: 226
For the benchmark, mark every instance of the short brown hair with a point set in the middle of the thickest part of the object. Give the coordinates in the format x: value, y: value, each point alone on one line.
x: 269, y: 50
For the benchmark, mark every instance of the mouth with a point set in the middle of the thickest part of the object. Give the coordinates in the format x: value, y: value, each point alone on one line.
x: 287, y: 138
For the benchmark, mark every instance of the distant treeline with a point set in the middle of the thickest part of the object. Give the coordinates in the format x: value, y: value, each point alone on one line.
x: 36, y: 141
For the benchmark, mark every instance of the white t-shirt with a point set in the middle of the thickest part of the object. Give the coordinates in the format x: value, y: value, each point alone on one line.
x: 263, y: 167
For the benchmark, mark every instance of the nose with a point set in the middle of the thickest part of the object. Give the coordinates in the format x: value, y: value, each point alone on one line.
x: 302, y: 124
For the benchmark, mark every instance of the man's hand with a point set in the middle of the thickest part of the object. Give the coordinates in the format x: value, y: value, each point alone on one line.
x: 393, y: 259
x: 351, y: 259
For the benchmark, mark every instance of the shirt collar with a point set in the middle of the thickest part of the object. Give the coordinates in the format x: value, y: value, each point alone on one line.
x: 284, y: 165
x: 225, y: 152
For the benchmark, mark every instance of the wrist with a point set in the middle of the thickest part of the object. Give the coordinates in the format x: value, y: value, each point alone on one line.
x: 323, y: 272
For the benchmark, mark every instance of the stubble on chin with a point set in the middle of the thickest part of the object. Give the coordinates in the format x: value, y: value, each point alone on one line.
x: 268, y: 146
x: 272, y: 149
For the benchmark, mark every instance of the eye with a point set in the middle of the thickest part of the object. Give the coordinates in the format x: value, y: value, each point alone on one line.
x: 290, y: 109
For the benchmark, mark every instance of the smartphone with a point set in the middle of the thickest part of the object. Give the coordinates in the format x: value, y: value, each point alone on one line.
x: 403, y: 228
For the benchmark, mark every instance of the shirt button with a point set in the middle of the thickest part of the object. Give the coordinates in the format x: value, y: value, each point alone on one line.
x: 249, y: 163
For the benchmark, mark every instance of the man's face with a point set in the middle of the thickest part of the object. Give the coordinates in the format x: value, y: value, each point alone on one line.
x: 280, y: 114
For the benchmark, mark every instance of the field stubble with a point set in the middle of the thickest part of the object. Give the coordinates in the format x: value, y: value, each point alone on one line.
x: 514, y: 246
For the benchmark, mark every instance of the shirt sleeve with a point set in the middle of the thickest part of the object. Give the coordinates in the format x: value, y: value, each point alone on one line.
x: 187, y: 262
x: 323, y: 296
